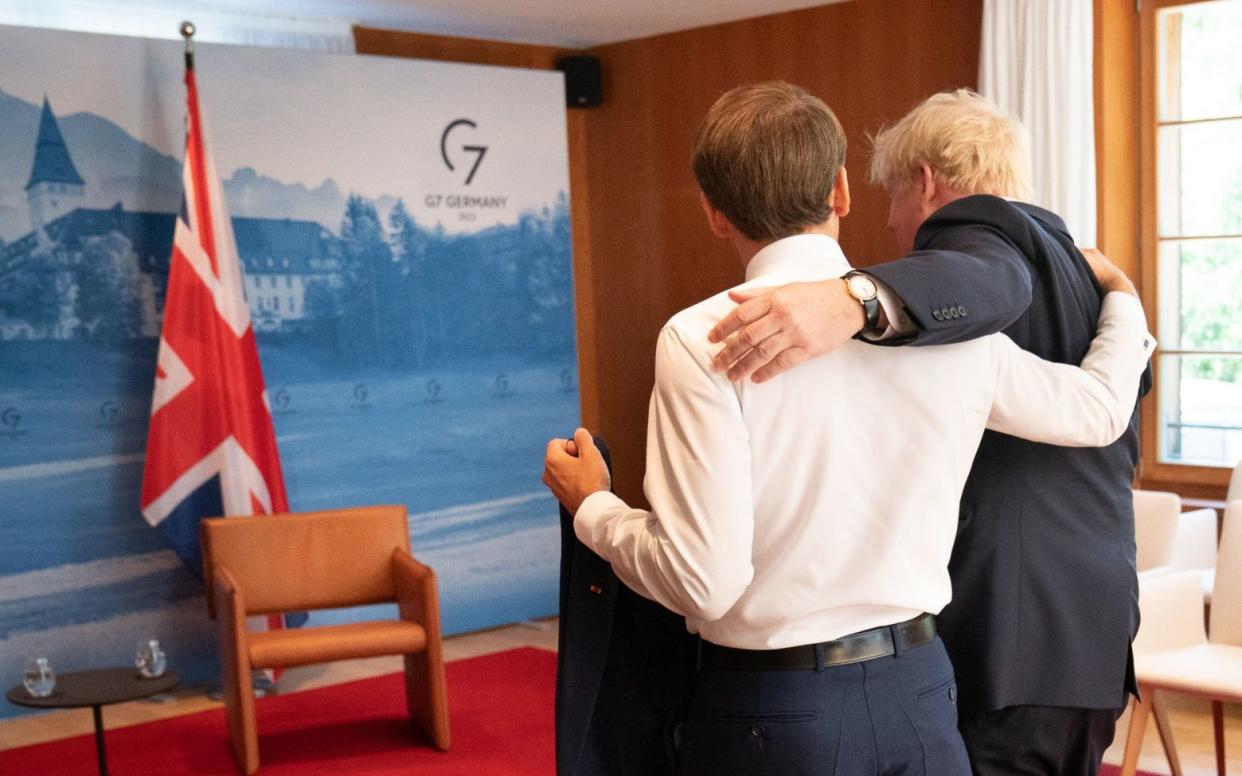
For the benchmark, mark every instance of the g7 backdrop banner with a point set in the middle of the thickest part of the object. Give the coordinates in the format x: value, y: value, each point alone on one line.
x: 404, y: 232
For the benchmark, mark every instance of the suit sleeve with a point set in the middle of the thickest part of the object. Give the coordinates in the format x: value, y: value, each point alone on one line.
x: 976, y: 287
x: 1062, y: 404
x: 692, y: 551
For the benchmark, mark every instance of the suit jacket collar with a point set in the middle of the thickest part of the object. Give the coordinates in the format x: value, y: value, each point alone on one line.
x: 988, y: 210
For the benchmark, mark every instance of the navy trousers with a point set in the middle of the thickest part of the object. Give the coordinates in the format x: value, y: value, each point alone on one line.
x: 883, y: 717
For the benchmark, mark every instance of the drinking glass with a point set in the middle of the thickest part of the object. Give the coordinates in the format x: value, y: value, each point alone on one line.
x: 150, y: 659
x: 39, y: 679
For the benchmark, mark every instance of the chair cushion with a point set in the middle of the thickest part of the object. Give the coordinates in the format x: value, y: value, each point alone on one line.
x: 304, y: 646
x: 1207, y: 670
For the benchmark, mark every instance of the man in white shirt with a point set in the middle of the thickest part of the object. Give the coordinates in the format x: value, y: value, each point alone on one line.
x: 803, y: 525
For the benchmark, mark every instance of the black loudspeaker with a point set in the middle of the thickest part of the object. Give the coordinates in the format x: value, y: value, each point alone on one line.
x: 584, y: 81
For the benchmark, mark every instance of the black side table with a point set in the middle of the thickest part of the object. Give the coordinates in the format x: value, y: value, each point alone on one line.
x: 96, y: 689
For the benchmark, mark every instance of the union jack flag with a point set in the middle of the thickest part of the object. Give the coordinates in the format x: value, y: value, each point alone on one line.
x: 211, y: 448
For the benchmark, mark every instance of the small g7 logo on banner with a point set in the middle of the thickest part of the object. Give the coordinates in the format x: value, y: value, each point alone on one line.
x: 474, y: 149
x: 9, y: 419
x: 502, y: 386
x: 108, y: 411
x: 282, y: 399
x: 433, y: 391
x: 567, y: 380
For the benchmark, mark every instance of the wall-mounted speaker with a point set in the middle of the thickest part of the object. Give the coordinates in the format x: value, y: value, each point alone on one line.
x: 584, y: 81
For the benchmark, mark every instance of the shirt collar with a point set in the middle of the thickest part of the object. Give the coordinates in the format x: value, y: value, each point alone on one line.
x: 818, y: 254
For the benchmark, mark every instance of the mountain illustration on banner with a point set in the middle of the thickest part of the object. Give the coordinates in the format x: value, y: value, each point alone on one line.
x: 118, y: 167
x: 90, y: 261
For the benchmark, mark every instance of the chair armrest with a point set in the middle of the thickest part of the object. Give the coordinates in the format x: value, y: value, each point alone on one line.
x: 1194, y: 545
x: 1171, y: 612
x: 226, y: 599
x: 1155, y: 527
x: 1158, y: 571
x: 418, y: 599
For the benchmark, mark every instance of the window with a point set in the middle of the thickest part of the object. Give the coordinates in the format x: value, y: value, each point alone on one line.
x: 1193, y: 240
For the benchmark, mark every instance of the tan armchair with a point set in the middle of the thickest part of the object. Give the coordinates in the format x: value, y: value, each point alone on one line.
x: 321, y: 560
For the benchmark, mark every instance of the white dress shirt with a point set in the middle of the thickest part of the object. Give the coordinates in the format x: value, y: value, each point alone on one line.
x: 825, y: 501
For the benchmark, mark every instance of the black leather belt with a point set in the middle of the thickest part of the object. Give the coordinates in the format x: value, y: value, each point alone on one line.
x: 854, y: 648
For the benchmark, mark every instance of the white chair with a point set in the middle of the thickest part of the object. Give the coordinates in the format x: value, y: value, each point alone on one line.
x: 1194, y: 547
x: 1235, y: 485
x: 1169, y: 539
x: 1173, y: 652
x: 1155, y: 528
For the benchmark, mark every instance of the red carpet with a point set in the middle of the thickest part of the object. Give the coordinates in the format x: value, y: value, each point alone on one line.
x: 501, y: 708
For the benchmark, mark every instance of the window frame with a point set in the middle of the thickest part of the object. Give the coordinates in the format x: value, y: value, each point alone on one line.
x: 1152, y: 468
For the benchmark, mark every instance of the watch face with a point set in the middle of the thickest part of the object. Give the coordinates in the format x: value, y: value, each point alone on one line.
x: 862, y: 287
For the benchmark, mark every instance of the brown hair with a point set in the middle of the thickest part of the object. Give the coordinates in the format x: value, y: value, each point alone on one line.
x: 767, y: 156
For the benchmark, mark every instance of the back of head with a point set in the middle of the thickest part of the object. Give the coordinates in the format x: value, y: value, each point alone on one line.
x: 969, y: 144
x: 767, y: 156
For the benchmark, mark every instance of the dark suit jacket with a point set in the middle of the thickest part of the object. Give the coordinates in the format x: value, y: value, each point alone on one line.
x: 625, y: 670
x: 1045, y: 597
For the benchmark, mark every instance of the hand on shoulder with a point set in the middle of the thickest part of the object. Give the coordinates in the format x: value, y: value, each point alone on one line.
x: 1109, y: 274
x: 773, y: 330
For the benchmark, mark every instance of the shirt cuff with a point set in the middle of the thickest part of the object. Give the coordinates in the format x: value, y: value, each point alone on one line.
x: 894, y: 322
x: 590, y: 515
x: 1126, y: 305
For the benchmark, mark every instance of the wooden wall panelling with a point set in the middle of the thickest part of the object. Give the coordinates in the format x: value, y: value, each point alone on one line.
x: 442, y: 48
x: 1117, y: 133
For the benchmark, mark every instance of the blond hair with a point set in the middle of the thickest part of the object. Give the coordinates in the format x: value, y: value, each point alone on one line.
x: 969, y: 144
x: 767, y: 157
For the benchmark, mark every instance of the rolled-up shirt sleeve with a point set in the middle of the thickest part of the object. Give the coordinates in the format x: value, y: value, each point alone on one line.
x: 1075, y: 406
x: 692, y: 551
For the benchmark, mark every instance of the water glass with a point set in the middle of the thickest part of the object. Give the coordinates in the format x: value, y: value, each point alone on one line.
x: 39, y: 679
x: 150, y: 659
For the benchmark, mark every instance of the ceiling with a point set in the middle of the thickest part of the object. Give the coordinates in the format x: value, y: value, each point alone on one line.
x: 565, y: 23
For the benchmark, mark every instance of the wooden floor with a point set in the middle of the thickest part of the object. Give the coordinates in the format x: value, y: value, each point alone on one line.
x: 1192, y: 720
x: 1192, y: 735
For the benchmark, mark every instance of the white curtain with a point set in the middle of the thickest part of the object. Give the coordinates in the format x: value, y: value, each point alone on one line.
x: 154, y: 19
x: 1036, y: 63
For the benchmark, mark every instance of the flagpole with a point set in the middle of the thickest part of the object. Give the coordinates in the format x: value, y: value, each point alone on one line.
x: 187, y: 31
x: 261, y: 683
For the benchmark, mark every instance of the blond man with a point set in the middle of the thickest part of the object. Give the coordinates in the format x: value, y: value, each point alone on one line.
x: 1044, y: 590
x: 803, y: 526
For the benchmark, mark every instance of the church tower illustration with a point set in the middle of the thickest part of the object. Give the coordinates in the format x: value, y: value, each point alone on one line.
x: 55, y: 188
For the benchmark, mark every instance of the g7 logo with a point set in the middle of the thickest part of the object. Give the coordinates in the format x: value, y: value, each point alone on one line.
x: 475, y: 149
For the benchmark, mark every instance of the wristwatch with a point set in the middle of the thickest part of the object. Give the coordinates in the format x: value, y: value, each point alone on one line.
x: 863, y: 288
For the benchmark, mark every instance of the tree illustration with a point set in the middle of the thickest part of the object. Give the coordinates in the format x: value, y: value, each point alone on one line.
x: 364, y: 251
x: 106, y: 295
x: 30, y: 295
x: 410, y: 296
